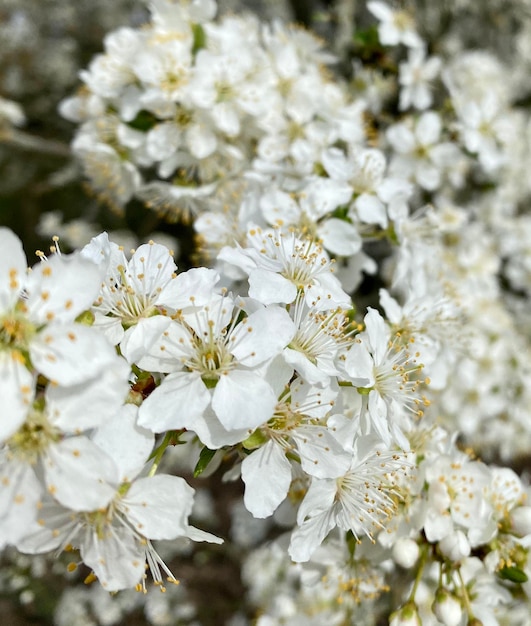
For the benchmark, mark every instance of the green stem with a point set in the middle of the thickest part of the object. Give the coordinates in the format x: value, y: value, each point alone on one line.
x: 171, y: 437
x: 464, y: 595
x: 424, y: 554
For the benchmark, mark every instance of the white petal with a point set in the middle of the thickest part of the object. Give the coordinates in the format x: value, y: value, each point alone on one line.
x: 195, y: 534
x: 159, y: 507
x: 71, y: 353
x: 279, y: 207
x: 378, y: 334
x: 262, y: 336
x: 128, y: 444
x: 80, y: 475
x: 359, y: 365
x: 201, y: 141
x: 150, y: 267
x: 318, y: 499
x: 270, y: 288
x: 19, y: 496
x: 54, y: 525
x: 177, y: 403
x: 309, y: 372
x: 243, y: 400
x: 192, y: 288
x: 13, y: 268
x: 392, y: 309
x: 267, y: 477
x: 340, y: 237
x: 117, y: 559
x: 371, y: 210
x: 61, y: 288
x: 89, y: 404
x: 321, y: 454
x: 213, y: 434
x: 17, y: 392
x: 140, y: 339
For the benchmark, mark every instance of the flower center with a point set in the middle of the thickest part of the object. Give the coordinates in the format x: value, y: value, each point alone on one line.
x: 211, y: 356
x: 34, y: 437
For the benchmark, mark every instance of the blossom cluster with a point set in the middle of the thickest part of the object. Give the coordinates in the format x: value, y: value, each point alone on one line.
x: 354, y: 423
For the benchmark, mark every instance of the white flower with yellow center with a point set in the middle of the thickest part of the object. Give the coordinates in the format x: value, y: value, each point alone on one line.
x: 384, y: 373
x: 115, y: 540
x: 49, y: 452
x: 38, y: 333
x: 361, y: 500
x: 215, y: 359
x: 318, y: 338
x: 137, y: 294
x: 297, y: 431
x: 281, y: 265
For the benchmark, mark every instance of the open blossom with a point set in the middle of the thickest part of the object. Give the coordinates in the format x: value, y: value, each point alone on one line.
x: 415, y: 78
x: 115, y: 540
x: 376, y: 198
x: 136, y: 294
x: 319, y: 337
x: 281, y: 265
x: 420, y: 155
x: 383, y: 371
x: 297, y: 429
x: 360, y: 500
x: 50, y: 452
x: 215, y: 361
x: 318, y: 198
x: 37, y: 326
x: 395, y: 26
x: 456, y: 501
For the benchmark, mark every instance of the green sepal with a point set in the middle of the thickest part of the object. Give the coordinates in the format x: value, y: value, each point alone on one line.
x: 199, y: 38
x: 205, y: 456
x: 254, y: 441
x: 210, y: 383
x: 364, y: 391
x: 352, y: 543
x: 514, y: 574
x: 86, y: 318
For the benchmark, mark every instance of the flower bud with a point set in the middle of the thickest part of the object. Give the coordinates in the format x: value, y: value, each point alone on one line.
x: 405, y: 552
x: 446, y: 608
x: 455, y: 546
x: 408, y: 615
x: 521, y: 521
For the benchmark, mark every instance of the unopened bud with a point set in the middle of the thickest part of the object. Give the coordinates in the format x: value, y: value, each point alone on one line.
x: 408, y: 615
x: 446, y: 608
x: 521, y: 521
x: 455, y: 546
x: 405, y: 552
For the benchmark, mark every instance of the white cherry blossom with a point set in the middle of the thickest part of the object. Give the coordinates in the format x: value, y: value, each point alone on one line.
x: 361, y: 500
x: 215, y: 360
x: 281, y: 265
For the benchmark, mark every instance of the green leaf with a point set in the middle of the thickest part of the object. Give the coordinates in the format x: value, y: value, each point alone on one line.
x: 368, y: 37
x: 143, y: 121
x: 206, y: 455
x: 341, y: 213
x: 514, y: 574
